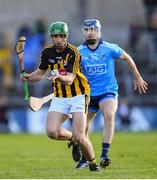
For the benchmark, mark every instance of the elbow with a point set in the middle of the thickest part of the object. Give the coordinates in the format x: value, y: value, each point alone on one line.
x: 40, y: 78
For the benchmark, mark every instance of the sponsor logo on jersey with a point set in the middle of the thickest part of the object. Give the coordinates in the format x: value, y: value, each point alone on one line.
x: 51, y: 60
x: 59, y: 57
x: 56, y: 60
x: 96, y: 69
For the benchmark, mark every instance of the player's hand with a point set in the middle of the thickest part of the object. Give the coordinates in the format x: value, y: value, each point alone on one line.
x: 50, y: 78
x: 24, y: 76
x: 140, y: 85
x: 54, y: 75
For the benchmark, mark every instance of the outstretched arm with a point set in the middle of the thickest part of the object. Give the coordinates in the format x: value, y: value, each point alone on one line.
x: 139, y: 83
x: 36, y: 75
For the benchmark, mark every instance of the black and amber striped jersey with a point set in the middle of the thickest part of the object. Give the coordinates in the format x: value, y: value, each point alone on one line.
x: 66, y: 61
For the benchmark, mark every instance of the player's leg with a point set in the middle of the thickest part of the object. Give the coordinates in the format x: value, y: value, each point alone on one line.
x: 53, y: 126
x: 83, y: 162
x: 90, y: 118
x: 79, y: 127
x: 58, y: 113
x: 108, y: 108
x: 79, y: 109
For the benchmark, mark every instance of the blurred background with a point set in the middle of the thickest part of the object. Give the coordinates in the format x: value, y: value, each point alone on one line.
x: 130, y: 24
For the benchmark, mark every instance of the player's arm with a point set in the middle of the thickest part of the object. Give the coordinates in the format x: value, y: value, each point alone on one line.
x: 72, y: 68
x: 139, y: 83
x: 126, y: 57
x: 66, y: 79
x: 36, y: 75
x: 39, y: 73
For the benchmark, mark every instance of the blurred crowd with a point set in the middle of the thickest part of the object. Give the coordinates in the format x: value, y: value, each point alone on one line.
x: 36, y: 36
x: 149, y: 26
x: 9, y: 66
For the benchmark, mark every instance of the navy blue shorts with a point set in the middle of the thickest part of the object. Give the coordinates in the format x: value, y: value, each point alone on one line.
x: 96, y: 100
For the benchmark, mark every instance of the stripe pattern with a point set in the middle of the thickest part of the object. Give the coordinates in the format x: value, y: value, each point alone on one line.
x: 66, y: 61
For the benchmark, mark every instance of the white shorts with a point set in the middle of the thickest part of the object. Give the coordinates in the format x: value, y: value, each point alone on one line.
x: 69, y: 105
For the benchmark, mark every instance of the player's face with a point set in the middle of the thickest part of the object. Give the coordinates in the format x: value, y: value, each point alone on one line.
x: 92, y: 34
x: 59, y: 40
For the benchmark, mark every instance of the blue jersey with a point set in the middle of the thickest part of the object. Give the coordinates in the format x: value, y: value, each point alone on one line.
x: 99, y: 67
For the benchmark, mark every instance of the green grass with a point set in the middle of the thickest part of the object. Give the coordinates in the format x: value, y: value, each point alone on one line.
x: 133, y: 155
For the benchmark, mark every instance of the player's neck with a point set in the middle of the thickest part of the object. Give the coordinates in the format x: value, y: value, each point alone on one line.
x: 59, y: 50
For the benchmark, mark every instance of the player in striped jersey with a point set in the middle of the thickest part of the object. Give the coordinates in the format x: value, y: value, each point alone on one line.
x: 71, y: 91
x: 67, y: 61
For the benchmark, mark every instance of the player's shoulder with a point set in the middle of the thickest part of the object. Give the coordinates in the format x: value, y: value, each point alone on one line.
x: 48, y: 47
x: 73, y: 48
x: 109, y: 45
x: 82, y: 46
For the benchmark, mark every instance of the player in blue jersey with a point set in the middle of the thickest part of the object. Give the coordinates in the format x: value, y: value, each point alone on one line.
x: 98, y: 65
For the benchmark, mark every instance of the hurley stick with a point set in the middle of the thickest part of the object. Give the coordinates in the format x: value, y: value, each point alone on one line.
x: 19, y: 50
x: 36, y: 103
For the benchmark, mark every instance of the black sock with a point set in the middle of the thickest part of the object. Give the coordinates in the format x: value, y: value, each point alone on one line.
x: 73, y: 140
x: 105, y: 150
x: 83, y: 158
x: 92, y: 161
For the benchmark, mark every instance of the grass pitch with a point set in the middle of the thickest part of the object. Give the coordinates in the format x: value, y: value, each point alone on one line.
x: 133, y: 155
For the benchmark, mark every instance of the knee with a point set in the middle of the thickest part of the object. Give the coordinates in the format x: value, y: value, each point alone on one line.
x: 109, y: 116
x: 52, y: 133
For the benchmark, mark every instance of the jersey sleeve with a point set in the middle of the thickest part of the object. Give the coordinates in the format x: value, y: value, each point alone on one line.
x: 43, y: 61
x: 117, y: 51
x: 73, y: 64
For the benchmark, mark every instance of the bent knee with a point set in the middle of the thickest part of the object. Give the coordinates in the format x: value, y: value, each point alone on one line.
x: 52, y: 133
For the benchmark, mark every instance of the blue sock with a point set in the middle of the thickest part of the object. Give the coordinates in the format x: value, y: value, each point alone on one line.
x: 105, y: 150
